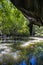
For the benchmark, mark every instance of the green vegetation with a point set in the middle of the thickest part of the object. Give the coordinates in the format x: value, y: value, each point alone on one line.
x: 11, y: 20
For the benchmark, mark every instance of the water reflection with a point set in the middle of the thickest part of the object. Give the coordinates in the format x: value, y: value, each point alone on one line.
x: 13, y: 54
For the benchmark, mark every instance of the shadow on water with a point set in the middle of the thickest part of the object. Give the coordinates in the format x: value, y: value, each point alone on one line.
x: 13, y: 54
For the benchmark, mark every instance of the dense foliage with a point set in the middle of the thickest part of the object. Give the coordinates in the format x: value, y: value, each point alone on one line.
x: 11, y: 20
